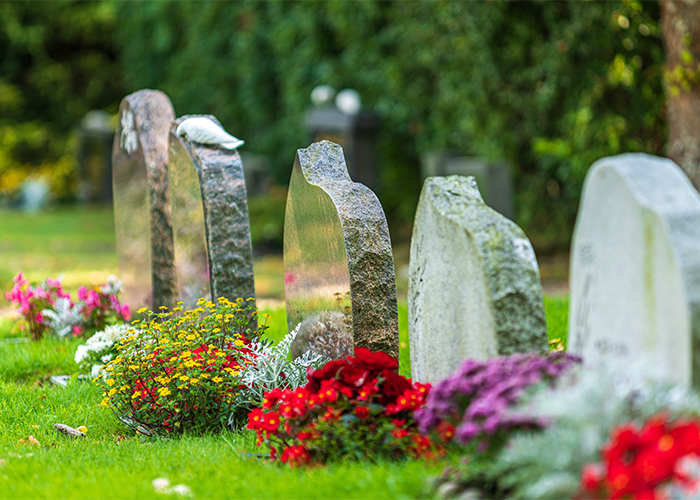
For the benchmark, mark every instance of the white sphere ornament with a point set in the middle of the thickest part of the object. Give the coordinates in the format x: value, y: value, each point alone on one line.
x: 205, y: 131
x: 322, y: 95
x: 348, y: 101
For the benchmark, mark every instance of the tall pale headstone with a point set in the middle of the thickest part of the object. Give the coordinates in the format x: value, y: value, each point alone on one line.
x: 213, y: 253
x: 142, y: 201
x: 474, y: 287
x: 635, y: 266
x: 338, y: 265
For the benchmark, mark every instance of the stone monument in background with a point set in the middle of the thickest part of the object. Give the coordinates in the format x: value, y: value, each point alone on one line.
x: 635, y: 266
x: 213, y: 253
x: 474, y: 287
x: 338, y: 265
x: 141, y: 200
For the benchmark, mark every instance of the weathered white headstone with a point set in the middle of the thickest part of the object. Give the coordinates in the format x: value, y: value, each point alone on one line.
x: 474, y: 287
x: 338, y: 265
x: 635, y: 266
x: 213, y: 253
x: 141, y: 200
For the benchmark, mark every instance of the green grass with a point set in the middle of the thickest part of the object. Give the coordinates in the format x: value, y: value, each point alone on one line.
x: 79, y: 242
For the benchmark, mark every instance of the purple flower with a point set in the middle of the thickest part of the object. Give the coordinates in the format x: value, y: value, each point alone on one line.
x: 479, y: 394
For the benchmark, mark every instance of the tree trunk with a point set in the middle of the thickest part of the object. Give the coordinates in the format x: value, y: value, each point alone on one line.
x: 680, y: 23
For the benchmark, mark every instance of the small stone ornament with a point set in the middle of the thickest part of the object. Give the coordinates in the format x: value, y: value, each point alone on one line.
x: 204, y: 131
x: 69, y: 431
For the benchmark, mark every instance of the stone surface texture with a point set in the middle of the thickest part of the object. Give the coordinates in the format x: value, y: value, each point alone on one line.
x: 474, y: 287
x: 142, y: 201
x: 635, y: 266
x: 215, y: 231
x: 337, y: 250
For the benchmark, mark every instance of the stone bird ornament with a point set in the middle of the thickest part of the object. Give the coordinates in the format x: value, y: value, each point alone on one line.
x: 205, y: 131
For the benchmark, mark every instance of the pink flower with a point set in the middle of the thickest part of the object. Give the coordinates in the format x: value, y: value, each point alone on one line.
x: 77, y: 331
x: 126, y: 312
x: 82, y: 292
x: 38, y: 318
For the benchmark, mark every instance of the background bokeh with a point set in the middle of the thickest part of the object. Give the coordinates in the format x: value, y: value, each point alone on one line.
x: 548, y: 87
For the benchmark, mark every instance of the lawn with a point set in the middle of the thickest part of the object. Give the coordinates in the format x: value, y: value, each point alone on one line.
x: 112, y: 462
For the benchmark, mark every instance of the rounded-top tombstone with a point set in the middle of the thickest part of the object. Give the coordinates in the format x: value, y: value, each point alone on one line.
x: 635, y: 267
x: 141, y: 200
x: 338, y: 264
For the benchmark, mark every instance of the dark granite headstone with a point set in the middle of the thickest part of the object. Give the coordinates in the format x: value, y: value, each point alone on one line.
x: 337, y: 251
x: 142, y: 201
x: 213, y: 253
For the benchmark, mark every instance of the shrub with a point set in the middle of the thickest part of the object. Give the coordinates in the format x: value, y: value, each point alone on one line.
x: 357, y: 408
x: 47, y: 308
x: 478, y: 397
x: 183, y: 371
x: 643, y: 462
x: 583, y: 410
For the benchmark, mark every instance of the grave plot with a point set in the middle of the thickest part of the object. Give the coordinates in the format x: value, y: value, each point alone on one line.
x: 213, y: 253
x: 338, y: 266
x: 635, y: 266
x: 474, y: 286
x: 142, y: 202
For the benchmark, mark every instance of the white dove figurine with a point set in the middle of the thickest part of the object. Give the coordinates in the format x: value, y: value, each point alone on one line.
x: 205, y: 131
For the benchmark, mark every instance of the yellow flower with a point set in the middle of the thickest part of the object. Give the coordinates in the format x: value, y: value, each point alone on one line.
x: 110, y: 382
x: 204, y: 375
x: 112, y: 392
x: 164, y: 391
x: 216, y: 380
x: 142, y: 310
x: 105, y: 402
x: 194, y: 380
x: 184, y: 378
x: 191, y: 336
x: 135, y: 395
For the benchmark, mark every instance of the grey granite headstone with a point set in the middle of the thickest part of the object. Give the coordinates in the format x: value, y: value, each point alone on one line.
x: 474, y: 287
x: 337, y: 251
x: 635, y: 266
x: 213, y: 253
x: 142, y: 201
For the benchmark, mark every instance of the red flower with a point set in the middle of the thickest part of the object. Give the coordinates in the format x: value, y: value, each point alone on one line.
x: 362, y: 412
x: 295, y: 456
x: 394, y: 385
x: 592, y: 477
x: 328, y: 372
x: 270, y: 422
x: 446, y: 431
x: 255, y: 419
x: 364, y: 358
x: 368, y: 390
x: 272, y: 397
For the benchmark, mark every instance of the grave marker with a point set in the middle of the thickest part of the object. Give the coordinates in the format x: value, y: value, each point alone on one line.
x: 213, y: 253
x: 474, y: 287
x: 635, y: 266
x: 141, y: 200
x: 337, y: 252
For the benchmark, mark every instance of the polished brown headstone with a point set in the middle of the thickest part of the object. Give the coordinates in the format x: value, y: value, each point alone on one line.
x: 213, y: 253
x: 141, y: 200
x: 337, y: 254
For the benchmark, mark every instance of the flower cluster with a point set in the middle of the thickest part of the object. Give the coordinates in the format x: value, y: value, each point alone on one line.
x: 642, y: 462
x: 182, y: 371
x: 477, y: 399
x: 357, y: 407
x: 100, y: 348
x: 48, y: 308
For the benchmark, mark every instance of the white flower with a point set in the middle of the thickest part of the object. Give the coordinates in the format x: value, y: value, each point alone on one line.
x: 160, y: 484
x: 181, y: 490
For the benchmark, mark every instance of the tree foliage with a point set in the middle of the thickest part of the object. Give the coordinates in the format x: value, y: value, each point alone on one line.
x: 56, y: 63
x: 548, y: 86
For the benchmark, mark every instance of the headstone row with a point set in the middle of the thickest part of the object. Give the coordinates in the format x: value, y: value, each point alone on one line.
x: 474, y: 287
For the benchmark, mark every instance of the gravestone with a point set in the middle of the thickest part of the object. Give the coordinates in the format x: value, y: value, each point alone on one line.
x: 337, y: 253
x: 635, y: 266
x: 213, y: 253
x: 474, y: 288
x: 142, y: 202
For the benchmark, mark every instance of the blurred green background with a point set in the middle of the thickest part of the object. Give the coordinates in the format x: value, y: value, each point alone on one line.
x: 548, y: 87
